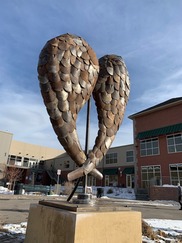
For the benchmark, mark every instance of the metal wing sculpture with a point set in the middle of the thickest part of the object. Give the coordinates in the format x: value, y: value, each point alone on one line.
x: 69, y: 73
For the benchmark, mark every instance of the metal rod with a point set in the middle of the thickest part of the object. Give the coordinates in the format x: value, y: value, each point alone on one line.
x: 86, y: 152
x: 87, y: 140
x: 74, y: 189
x: 87, y: 128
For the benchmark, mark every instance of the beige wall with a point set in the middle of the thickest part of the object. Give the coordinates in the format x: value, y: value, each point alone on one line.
x: 5, y: 142
x: 59, y: 162
x: 121, y: 155
x: 33, y: 151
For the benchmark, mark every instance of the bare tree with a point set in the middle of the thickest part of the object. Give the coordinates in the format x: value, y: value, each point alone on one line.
x: 2, y: 171
x: 13, y: 174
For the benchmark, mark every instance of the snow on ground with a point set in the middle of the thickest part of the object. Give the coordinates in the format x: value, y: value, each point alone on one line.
x: 171, y: 228
x: 116, y: 192
x: 4, y: 190
x: 16, y: 228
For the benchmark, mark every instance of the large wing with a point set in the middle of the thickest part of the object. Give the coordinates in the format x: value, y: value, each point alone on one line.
x: 111, y: 95
x: 68, y: 70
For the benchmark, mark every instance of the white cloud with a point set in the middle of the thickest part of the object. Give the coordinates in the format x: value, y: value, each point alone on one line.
x: 176, y: 76
x: 167, y: 89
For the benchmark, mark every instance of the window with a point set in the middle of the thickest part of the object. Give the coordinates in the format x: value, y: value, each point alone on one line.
x: 174, y: 143
x: 111, y: 180
x: 176, y: 174
x: 130, y: 156
x: 66, y: 164
x: 32, y: 162
x: 25, y: 162
x: 111, y: 158
x: 149, y: 147
x: 18, y: 159
x: 91, y: 181
x: 14, y: 160
x: 151, y: 175
x: 11, y: 159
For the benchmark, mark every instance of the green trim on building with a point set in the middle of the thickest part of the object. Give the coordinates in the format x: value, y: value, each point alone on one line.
x: 110, y: 171
x: 160, y: 131
x: 128, y: 171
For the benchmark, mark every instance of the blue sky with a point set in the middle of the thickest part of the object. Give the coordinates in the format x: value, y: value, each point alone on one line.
x: 146, y: 33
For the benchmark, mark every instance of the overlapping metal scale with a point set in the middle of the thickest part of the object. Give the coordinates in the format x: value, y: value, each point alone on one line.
x: 68, y: 70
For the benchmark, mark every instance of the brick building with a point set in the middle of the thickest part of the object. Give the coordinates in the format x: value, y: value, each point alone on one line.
x: 158, y: 144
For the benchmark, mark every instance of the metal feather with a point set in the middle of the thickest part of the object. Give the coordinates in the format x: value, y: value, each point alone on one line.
x: 69, y: 74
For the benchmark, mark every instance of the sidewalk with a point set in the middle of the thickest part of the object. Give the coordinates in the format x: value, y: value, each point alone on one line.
x: 11, y: 238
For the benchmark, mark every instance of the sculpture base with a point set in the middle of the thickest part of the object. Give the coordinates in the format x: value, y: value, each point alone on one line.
x: 63, y: 222
x: 82, y: 198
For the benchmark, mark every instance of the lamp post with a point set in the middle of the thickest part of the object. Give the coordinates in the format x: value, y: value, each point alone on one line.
x: 58, y: 174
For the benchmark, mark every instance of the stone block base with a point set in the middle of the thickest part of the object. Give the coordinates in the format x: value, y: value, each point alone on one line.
x: 47, y: 224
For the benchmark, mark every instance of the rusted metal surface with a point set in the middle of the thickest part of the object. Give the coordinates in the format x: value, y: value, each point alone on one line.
x: 68, y: 70
x: 111, y: 94
x: 69, y: 73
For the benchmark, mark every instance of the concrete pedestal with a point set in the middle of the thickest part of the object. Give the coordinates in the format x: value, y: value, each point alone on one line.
x: 58, y: 222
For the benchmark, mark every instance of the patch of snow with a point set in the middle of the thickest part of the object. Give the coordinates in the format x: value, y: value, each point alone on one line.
x: 171, y: 228
x: 16, y: 228
x: 4, y: 190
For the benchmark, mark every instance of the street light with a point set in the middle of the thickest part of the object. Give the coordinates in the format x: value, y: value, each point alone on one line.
x: 58, y: 174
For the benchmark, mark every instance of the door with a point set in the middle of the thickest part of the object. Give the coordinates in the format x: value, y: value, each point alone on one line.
x: 128, y: 181
x: 106, y: 180
x: 91, y: 181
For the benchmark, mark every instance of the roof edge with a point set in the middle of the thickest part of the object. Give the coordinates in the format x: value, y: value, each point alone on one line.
x: 168, y: 103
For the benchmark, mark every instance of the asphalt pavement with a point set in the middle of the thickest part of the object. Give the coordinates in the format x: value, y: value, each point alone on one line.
x: 153, y: 209
x: 15, y: 208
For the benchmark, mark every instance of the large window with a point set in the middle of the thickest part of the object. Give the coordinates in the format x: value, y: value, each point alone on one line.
x: 14, y: 160
x: 111, y: 158
x: 130, y: 156
x: 174, y: 143
x: 151, y: 175
x: 149, y: 147
x: 176, y: 174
